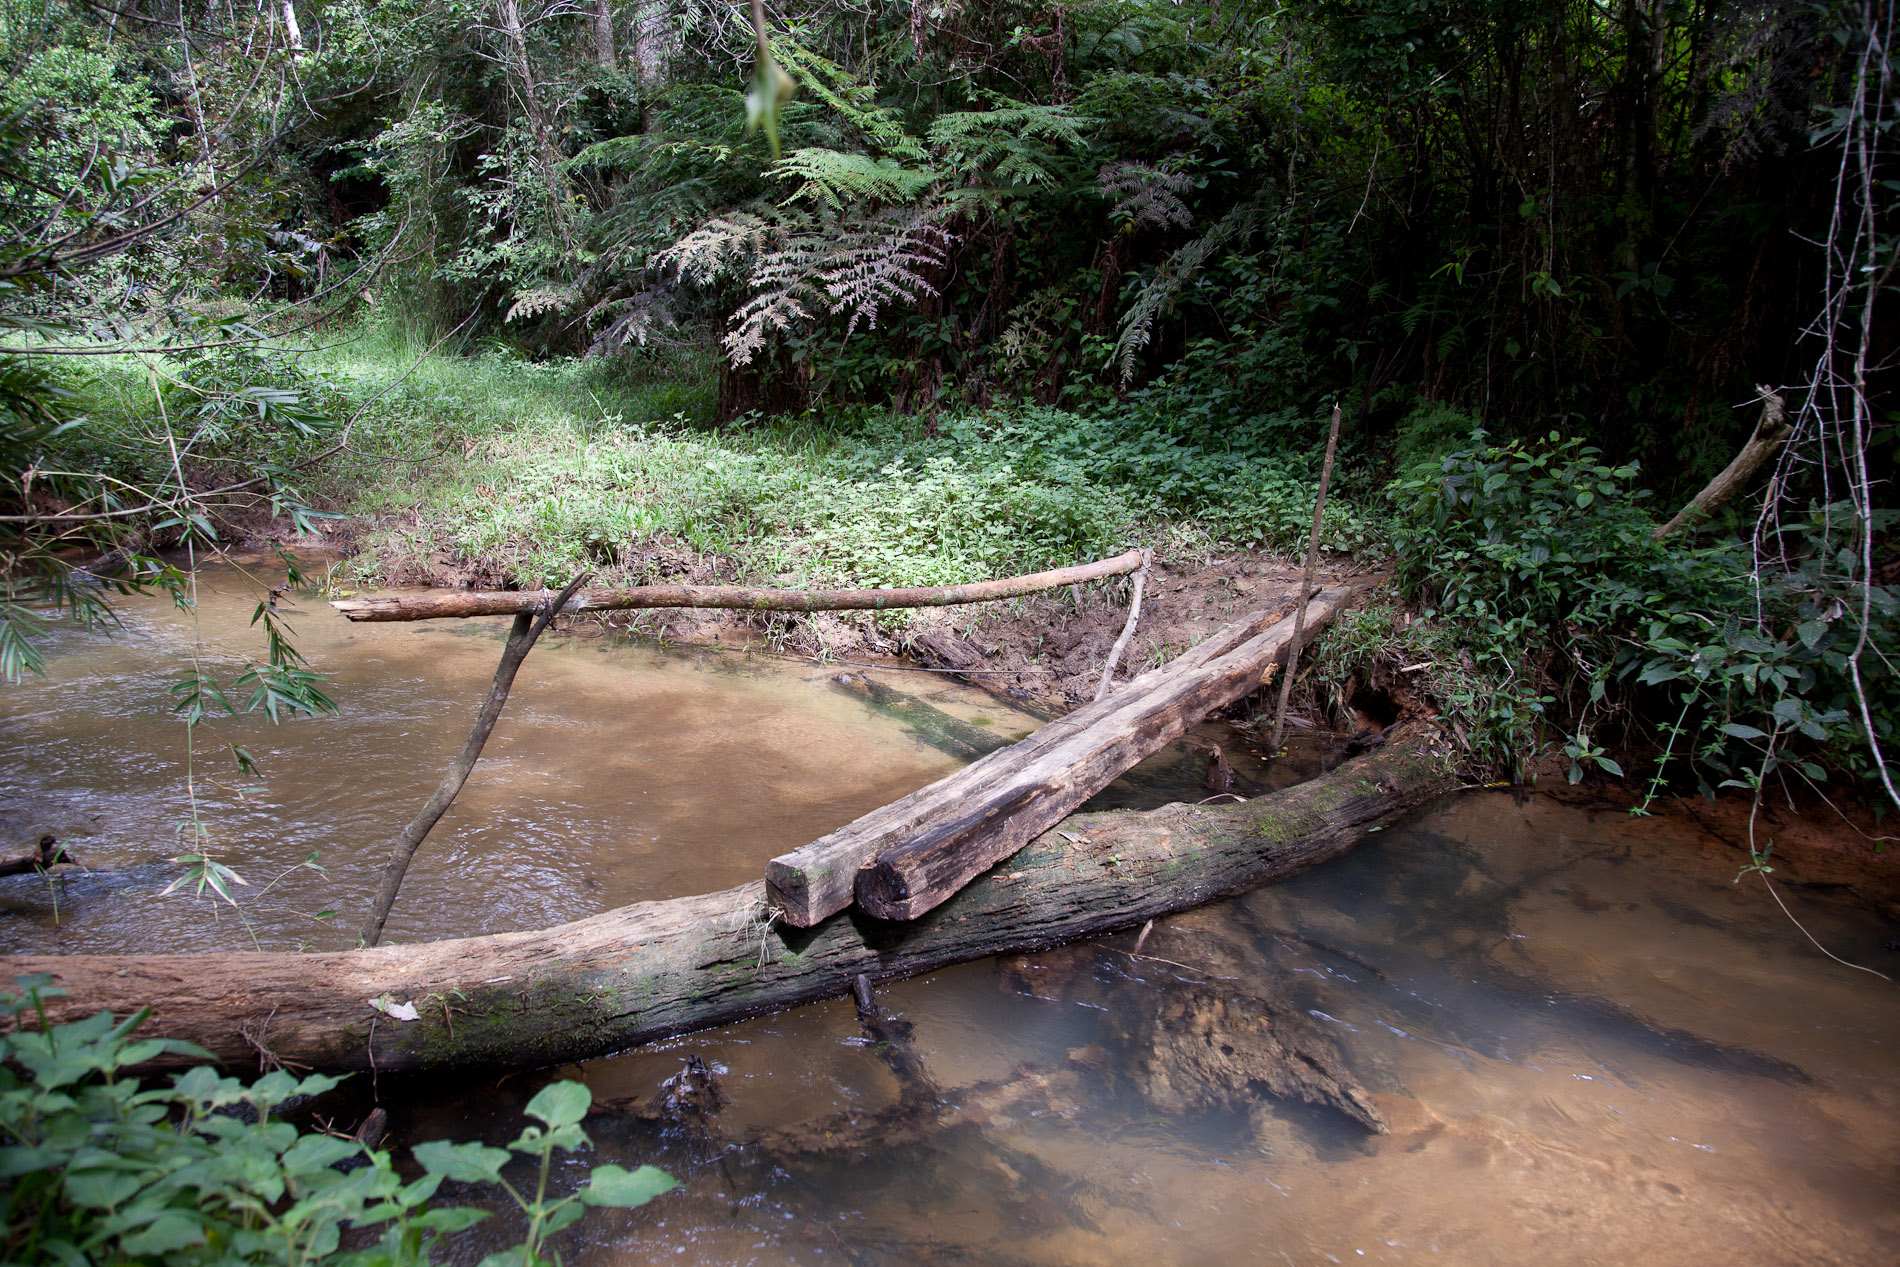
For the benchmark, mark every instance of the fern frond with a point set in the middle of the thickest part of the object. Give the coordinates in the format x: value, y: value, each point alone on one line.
x: 1173, y: 277
x: 801, y: 267
x: 717, y: 246
x: 1148, y: 195
x: 882, y: 261
x: 636, y: 319
x: 1014, y: 144
x: 855, y: 100
x: 1036, y: 325
x: 787, y: 290
x: 840, y: 179
x: 540, y: 299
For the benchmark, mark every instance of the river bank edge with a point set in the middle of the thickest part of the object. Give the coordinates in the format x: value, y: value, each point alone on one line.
x: 1047, y: 652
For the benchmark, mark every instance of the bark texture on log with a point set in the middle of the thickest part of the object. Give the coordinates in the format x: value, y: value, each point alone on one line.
x: 658, y: 969
x: 460, y: 603
x: 903, y: 859
x: 1767, y: 437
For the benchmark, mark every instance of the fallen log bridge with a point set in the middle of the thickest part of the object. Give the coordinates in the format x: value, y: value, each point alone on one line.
x: 658, y: 969
x: 902, y: 859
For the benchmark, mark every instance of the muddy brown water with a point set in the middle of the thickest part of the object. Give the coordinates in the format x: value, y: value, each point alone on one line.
x: 1593, y: 1045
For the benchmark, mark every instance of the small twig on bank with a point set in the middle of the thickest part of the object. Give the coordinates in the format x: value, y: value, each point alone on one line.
x: 521, y: 639
x: 1128, y: 628
x: 1306, y: 588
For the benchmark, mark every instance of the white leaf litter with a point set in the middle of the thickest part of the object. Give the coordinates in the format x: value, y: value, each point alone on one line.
x: 394, y: 1010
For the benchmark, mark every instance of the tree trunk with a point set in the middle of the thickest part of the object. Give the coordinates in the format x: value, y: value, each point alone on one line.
x: 658, y: 969
x: 547, y: 153
x: 652, y: 40
x: 903, y: 859
x: 1768, y: 436
x: 604, y: 35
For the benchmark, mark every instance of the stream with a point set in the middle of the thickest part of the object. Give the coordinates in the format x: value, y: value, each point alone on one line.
x: 1592, y: 1042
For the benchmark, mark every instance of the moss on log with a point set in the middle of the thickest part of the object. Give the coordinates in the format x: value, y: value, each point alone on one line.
x: 658, y: 969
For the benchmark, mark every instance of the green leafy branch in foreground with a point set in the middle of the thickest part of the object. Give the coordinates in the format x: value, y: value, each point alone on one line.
x: 99, y: 1167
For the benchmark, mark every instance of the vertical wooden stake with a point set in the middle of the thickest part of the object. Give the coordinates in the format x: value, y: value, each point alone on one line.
x: 1128, y: 628
x: 520, y: 641
x: 1306, y: 588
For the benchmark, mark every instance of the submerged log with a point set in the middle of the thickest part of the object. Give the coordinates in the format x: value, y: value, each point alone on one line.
x: 928, y: 723
x: 460, y: 603
x: 911, y: 855
x: 42, y: 855
x: 658, y: 969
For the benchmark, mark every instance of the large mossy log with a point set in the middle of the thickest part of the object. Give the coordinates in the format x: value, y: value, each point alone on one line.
x: 657, y: 969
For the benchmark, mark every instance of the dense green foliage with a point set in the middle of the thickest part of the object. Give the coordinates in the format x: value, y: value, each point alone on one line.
x: 102, y: 1167
x: 995, y: 285
x: 1542, y: 558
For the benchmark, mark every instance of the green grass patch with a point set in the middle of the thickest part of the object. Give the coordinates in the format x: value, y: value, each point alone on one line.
x: 536, y: 470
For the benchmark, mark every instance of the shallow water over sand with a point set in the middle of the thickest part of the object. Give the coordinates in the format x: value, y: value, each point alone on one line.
x: 617, y: 772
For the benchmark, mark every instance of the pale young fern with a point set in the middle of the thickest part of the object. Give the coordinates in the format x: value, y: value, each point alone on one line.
x: 538, y: 300
x: 1148, y: 195
x: 801, y: 266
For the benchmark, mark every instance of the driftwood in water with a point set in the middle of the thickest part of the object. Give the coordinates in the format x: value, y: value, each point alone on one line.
x: 456, y: 603
x: 42, y: 855
x: 913, y: 854
x: 521, y: 639
x: 930, y: 724
x: 658, y: 969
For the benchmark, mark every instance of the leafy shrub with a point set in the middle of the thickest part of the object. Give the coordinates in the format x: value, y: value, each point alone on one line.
x: 1544, y: 560
x: 947, y: 522
x: 101, y: 1168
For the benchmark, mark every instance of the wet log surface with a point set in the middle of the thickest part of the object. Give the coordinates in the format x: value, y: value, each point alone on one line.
x: 928, y: 844
x: 963, y: 825
x: 659, y: 969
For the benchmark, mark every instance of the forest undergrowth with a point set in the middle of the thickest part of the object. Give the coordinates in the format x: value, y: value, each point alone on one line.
x: 536, y: 470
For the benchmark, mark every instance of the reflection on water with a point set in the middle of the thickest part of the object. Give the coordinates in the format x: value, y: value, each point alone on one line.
x: 616, y: 773
x: 1590, y: 1045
